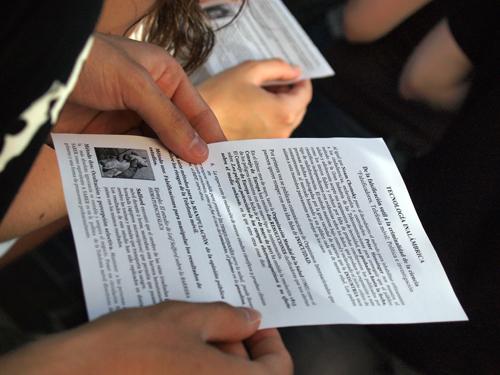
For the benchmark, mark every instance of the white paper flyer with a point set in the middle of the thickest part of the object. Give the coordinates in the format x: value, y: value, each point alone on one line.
x: 307, y: 231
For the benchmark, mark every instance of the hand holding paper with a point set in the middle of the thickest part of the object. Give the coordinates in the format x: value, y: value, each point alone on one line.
x: 122, y: 74
x: 262, y: 30
x: 247, y: 110
x: 173, y: 338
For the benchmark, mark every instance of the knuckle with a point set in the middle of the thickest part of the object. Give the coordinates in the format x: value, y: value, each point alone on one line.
x: 176, y: 307
x: 221, y: 308
x: 141, y: 83
x: 137, y: 80
x: 171, y: 73
x: 287, y: 118
x: 157, y: 50
x: 250, y: 64
x: 167, y: 311
x: 278, y: 61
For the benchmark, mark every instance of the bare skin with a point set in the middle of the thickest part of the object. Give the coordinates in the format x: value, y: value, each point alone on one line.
x: 169, y: 338
x: 40, y: 200
x: 32, y: 240
x: 368, y: 20
x: 436, y: 73
x: 247, y: 109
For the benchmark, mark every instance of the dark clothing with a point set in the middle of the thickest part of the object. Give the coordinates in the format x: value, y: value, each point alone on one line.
x: 474, y: 24
x: 40, y: 42
x: 456, y: 193
x: 455, y: 188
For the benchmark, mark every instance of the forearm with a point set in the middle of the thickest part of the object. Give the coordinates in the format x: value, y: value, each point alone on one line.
x: 437, y: 71
x: 32, y: 240
x: 368, y: 20
x: 40, y: 200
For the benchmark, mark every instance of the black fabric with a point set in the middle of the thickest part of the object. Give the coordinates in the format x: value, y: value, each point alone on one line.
x: 456, y: 193
x: 40, y: 42
x: 474, y: 24
x: 310, y: 11
x: 455, y: 188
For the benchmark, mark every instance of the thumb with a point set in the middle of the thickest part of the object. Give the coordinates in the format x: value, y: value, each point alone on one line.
x: 220, y: 322
x: 264, y: 71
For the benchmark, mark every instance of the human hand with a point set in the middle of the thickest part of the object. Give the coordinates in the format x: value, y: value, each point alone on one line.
x: 247, y: 110
x: 169, y: 338
x: 140, y: 81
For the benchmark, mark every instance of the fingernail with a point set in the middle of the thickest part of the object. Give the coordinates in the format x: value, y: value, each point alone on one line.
x: 251, y: 315
x: 198, y: 146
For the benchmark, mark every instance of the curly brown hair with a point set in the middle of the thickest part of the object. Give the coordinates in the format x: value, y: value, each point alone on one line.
x: 181, y: 26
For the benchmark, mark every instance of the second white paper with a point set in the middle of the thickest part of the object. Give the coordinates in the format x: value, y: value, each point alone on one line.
x: 262, y: 29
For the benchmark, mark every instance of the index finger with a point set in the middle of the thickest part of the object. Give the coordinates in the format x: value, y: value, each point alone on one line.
x: 169, y: 123
x: 267, y: 349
